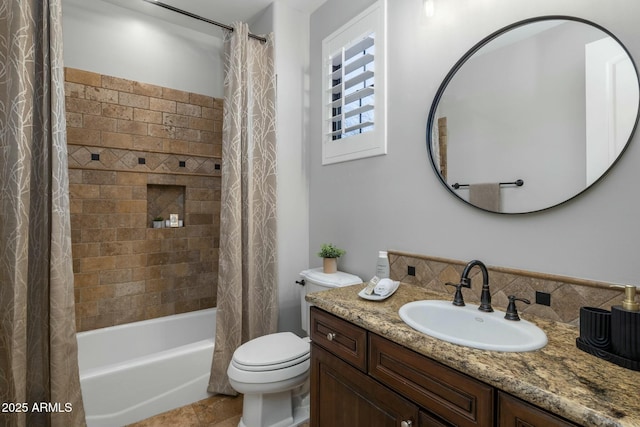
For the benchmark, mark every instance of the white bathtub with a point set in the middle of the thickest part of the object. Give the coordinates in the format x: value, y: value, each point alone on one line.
x: 133, y: 371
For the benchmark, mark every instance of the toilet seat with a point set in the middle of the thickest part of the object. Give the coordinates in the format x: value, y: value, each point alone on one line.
x: 271, y: 352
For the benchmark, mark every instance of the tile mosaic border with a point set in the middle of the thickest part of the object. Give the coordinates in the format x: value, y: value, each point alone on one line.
x: 568, y: 294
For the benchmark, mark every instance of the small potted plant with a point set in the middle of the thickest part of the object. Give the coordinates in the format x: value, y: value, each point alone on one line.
x: 158, y: 222
x: 330, y: 254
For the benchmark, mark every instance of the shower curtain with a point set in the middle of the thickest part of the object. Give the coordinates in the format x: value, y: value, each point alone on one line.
x: 247, y: 277
x: 39, y: 382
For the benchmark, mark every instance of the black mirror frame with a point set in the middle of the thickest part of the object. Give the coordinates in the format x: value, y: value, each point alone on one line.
x: 469, y: 54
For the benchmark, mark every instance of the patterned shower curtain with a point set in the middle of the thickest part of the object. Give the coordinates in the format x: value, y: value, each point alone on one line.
x: 39, y: 383
x: 247, y: 278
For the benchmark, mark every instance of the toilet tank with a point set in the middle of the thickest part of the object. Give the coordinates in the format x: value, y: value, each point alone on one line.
x: 315, y: 281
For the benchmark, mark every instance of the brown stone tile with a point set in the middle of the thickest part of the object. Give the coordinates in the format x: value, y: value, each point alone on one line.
x: 113, y: 277
x: 98, y: 177
x: 83, y: 77
x: 98, y: 206
x: 147, y: 89
x: 97, y: 263
x: 117, y: 140
x: 96, y: 293
x: 175, y: 95
x: 201, y: 124
x: 218, y: 409
x: 131, y: 261
x: 101, y: 94
x: 189, y: 109
x: 98, y: 235
x: 84, y: 106
x: 117, y: 111
x: 83, y: 136
x: 117, y: 83
x: 161, y: 131
x: 74, y: 90
x: 201, y: 100
x: 120, y: 192
x: 84, y: 191
x: 131, y: 288
x: 115, y: 248
x: 96, y: 322
x: 131, y: 206
x: 163, y: 105
x: 147, y: 116
x: 86, y: 279
x: 74, y: 120
x: 86, y: 309
x: 131, y: 178
x: 151, y: 312
x: 181, y: 417
x: 132, y: 127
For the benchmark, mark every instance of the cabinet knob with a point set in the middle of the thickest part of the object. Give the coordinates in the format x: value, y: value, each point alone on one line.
x: 407, y: 423
x: 331, y: 336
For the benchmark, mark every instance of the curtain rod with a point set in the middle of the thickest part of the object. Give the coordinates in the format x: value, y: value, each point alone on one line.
x: 200, y: 18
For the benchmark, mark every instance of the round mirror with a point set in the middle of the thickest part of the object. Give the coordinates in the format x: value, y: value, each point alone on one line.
x: 533, y: 115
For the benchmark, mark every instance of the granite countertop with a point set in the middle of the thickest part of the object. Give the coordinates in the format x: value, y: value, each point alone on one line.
x: 559, y: 377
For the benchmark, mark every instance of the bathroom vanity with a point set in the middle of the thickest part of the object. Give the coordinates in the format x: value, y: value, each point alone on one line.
x: 370, y: 369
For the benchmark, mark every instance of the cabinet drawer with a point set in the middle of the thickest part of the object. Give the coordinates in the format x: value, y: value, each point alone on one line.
x: 513, y: 412
x: 345, y: 340
x: 453, y: 396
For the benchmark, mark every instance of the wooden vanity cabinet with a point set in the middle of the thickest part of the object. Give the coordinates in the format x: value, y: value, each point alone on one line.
x: 361, y: 379
x: 513, y: 412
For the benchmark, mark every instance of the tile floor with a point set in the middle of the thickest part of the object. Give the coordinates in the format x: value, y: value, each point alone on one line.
x: 216, y: 411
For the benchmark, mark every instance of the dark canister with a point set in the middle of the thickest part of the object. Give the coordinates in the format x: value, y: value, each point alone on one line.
x: 625, y: 332
x: 595, y: 327
x: 625, y: 326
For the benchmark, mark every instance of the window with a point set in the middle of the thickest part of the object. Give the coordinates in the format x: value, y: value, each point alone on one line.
x: 354, y: 117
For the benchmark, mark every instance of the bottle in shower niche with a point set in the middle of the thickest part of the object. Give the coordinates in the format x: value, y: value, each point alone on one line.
x: 382, y: 267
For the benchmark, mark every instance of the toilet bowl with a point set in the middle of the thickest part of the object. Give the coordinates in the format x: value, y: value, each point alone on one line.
x: 266, y: 370
x: 272, y: 371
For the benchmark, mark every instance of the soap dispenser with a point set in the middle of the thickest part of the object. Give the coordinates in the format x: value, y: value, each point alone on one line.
x: 625, y: 326
x: 382, y: 266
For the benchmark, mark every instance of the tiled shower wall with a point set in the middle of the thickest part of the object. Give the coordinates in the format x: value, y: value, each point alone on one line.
x: 127, y: 141
x: 567, y: 294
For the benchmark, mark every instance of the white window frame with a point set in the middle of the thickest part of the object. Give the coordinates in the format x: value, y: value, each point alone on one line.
x: 374, y: 141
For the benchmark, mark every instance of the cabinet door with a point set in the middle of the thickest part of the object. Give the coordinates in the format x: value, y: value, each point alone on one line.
x: 343, y: 396
x: 452, y: 396
x: 513, y: 412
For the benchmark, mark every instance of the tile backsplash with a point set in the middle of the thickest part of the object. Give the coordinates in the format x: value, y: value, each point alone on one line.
x: 567, y: 294
x: 137, y: 151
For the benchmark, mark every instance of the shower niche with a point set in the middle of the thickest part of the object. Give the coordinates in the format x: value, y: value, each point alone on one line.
x: 163, y: 201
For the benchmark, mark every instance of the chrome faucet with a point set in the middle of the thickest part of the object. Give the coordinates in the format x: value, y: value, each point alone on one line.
x: 465, y: 282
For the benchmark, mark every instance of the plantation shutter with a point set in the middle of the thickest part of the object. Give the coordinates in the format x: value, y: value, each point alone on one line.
x: 353, y: 89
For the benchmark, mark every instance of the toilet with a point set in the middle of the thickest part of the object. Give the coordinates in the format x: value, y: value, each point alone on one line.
x: 272, y: 371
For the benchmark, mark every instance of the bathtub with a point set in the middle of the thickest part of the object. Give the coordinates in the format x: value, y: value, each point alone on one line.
x: 134, y: 371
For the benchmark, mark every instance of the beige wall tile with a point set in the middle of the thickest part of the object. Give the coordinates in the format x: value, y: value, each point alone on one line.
x: 125, y: 270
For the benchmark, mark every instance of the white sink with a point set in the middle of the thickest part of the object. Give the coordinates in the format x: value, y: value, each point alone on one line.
x: 472, y: 328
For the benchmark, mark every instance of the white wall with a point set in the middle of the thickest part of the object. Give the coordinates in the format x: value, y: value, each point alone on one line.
x: 115, y: 41
x: 396, y: 201
x: 291, y: 32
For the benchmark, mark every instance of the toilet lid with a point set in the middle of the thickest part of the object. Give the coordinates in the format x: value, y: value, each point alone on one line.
x: 269, y: 352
